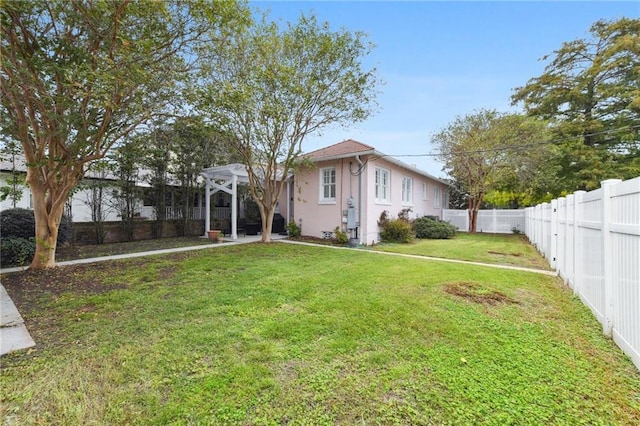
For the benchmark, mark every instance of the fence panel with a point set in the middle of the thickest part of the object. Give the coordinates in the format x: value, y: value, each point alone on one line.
x: 458, y: 218
x: 625, y: 255
x: 490, y: 221
x: 593, y: 238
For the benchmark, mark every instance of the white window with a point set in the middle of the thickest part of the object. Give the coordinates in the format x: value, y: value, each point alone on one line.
x: 424, y: 191
x: 436, y: 196
x: 407, y: 191
x: 383, y: 194
x: 328, y: 185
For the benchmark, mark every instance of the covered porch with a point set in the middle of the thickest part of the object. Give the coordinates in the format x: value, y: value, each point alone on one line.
x: 226, y: 179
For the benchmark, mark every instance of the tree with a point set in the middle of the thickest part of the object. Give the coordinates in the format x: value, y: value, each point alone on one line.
x: 195, y: 146
x: 97, y: 194
x: 275, y: 87
x: 481, y: 150
x: 16, y: 183
x: 590, y: 92
x: 156, y: 157
x: 77, y: 77
x: 127, y: 194
x: 174, y: 153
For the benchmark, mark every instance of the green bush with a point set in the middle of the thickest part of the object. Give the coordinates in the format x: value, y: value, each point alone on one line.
x: 396, y: 231
x: 293, y: 229
x: 425, y: 227
x: 21, y: 223
x: 15, y: 251
x: 341, y: 236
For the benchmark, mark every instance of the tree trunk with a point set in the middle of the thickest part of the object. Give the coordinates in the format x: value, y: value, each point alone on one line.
x: 47, y: 223
x: 473, y: 220
x: 267, y: 213
x: 474, y: 206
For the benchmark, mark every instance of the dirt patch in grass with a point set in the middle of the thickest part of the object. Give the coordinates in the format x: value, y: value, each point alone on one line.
x: 28, y: 286
x: 479, y: 294
x: 504, y: 254
x: 316, y: 240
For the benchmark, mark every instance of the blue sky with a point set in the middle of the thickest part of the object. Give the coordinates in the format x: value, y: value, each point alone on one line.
x: 442, y: 59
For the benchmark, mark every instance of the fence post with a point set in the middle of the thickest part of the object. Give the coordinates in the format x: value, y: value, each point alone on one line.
x: 553, y: 250
x: 494, y: 223
x: 570, y: 220
x: 577, y: 247
x: 466, y: 220
x: 607, y: 261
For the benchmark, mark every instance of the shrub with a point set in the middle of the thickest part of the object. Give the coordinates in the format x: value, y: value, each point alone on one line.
x: 293, y: 229
x: 341, y: 236
x: 16, y: 251
x: 404, y: 215
x: 21, y: 223
x: 384, y: 219
x: 434, y: 229
x: 65, y: 230
x: 396, y: 231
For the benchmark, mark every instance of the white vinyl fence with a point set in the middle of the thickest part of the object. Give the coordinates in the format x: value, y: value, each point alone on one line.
x: 490, y: 221
x: 593, y: 240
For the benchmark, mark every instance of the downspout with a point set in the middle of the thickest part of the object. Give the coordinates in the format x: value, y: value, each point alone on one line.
x: 360, y: 225
x: 286, y: 222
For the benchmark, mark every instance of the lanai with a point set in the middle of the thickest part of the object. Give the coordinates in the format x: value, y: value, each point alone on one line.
x: 230, y: 175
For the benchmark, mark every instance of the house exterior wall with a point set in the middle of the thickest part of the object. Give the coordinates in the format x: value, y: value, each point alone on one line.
x: 25, y: 200
x: 318, y: 217
x: 421, y: 202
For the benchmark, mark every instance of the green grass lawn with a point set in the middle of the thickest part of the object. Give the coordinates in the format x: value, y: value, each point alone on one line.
x: 507, y: 249
x: 72, y: 252
x: 287, y: 334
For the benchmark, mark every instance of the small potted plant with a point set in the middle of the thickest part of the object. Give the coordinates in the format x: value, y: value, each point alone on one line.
x: 215, y: 235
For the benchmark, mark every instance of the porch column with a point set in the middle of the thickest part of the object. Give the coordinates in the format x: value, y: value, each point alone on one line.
x: 234, y: 207
x: 207, y: 206
x: 286, y: 222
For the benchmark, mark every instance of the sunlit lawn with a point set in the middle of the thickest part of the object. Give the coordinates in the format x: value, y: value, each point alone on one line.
x: 507, y: 249
x: 288, y: 334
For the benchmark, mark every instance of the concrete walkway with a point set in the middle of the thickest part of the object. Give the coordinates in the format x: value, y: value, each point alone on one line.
x: 437, y: 259
x: 15, y: 336
x: 13, y: 333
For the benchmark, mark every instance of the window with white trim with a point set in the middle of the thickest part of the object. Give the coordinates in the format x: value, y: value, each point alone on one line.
x: 328, y: 185
x: 383, y: 193
x: 424, y: 191
x: 407, y: 191
x: 436, y: 196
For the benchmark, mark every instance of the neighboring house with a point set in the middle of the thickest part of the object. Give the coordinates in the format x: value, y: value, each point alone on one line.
x: 78, y: 205
x: 352, y: 184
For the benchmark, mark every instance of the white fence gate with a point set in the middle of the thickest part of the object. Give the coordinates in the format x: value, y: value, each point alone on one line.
x: 490, y: 221
x: 593, y: 240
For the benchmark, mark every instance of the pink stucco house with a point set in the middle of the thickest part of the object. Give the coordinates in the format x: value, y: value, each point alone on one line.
x: 351, y: 184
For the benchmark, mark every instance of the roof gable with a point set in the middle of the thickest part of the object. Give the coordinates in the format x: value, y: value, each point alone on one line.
x: 347, y: 148
x: 351, y: 148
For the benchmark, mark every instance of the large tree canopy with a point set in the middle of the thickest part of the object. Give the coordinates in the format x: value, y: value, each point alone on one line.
x: 77, y: 77
x: 269, y: 88
x: 590, y: 92
x: 483, y: 150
